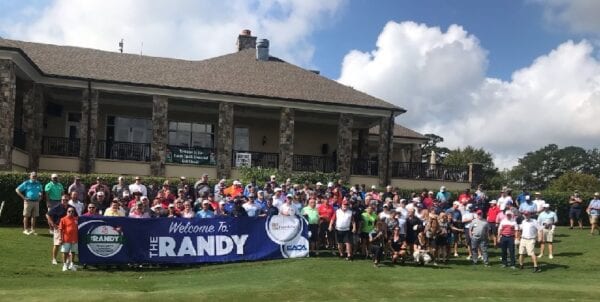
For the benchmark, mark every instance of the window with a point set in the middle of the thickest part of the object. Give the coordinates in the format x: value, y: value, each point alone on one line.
x: 241, y: 139
x: 191, y: 134
x: 131, y: 130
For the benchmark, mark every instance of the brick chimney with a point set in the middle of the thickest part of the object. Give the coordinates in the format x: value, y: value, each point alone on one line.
x: 246, y: 40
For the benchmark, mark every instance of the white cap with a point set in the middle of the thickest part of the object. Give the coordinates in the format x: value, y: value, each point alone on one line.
x: 373, y: 187
x: 100, y: 193
x: 205, y: 202
x: 235, y: 182
x: 290, y: 196
x: 546, y: 205
x: 493, y: 201
x: 319, y: 183
x: 54, y: 175
x: 330, y: 184
x: 277, y: 190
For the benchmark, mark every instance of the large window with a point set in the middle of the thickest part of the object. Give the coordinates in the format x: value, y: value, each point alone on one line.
x: 186, y: 134
x: 131, y: 130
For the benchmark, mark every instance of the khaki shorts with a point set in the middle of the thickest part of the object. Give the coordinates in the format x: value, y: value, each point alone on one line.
x: 526, y: 247
x: 31, y: 209
x: 594, y: 219
x: 57, y: 237
x: 547, y: 235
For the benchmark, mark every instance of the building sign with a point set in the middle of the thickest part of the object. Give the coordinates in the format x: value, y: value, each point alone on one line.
x: 190, y: 156
x: 120, y: 240
x: 243, y: 159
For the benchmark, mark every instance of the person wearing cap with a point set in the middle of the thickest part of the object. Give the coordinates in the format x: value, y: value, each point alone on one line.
x: 100, y: 200
x: 139, y: 210
x: 234, y: 190
x: 166, y: 195
x: 547, y: 221
x: 539, y: 202
x: 374, y: 193
x: 115, y: 209
x: 252, y: 209
x: 30, y: 192
x: 79, y: 187
x: 273, y: 181
x: 507, y: 230
x: 54, y: 216
x: 261, y: 201
x: 492, y: 215
x: 172, y: 211
x: 202, y: 187
x: 138, y: 186
x: 287, y: 208
x: 319, y: 190
x: 278, y: 197
x: 503, y: 200
x: 593, y: 211
x: 478, y: 232
x: 75, y: 203
x: 523, y: 197
x: 345, y: 226
x: 119, y: 188
x: 99, y: 186
x: 456, y: 226
x: 157, y: 210
x: 206, y: 211
x: 428, y: 200
x: 189, y: 190
x: 527, y: 205
x: 467, y: 218
x: 529, y: 232
x: 54, y: 190
x: 575, y: 203
x: 443, y: 196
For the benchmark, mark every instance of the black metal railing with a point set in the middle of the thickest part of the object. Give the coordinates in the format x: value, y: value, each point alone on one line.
x: 190, y: 155
x: 123, y: 150
x: 258, y: 159
x: 19, y: 138
x: 62, y: 146
x: 365, y: 167
x: 313, y: 163
x: 430, y: 171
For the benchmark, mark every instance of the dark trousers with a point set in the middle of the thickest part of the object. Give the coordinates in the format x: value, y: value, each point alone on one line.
x: 377, y: 251
x: 507, y: 245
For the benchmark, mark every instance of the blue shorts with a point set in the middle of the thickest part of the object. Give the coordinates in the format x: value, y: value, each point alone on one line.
x: 69, y: 247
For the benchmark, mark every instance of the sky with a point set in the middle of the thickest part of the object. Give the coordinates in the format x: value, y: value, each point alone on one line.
x: 506, y: 76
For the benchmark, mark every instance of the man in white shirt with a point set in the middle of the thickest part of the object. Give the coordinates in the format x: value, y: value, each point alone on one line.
x: 137, y: 186
x: 503, y: 200
x: 74, y: 202
x: 539, y: 202
x: 529, y: 233
x: 345, y: 226
x: 278, y: 198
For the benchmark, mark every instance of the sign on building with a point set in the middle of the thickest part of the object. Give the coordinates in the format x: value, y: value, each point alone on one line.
x: 243, y: 159
x: 190, y: 156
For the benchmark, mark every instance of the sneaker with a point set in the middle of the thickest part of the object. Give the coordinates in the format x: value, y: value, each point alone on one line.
x: 26, y: 232
x: 51, y: 232
x: 54, y: 262
x: 537, y: 270
x: 65, y: 268
x: 550, y: 256
x: 72, y: 267
x: 513, y: 267
x: 455, y: 254
x: 32, y: 232
x: 540, y: 255
x: 480, y: 257
x: 468, y: 257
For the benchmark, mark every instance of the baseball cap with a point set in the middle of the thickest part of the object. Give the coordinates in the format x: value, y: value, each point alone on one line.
x: 277, y: 190
x: 456, y: 203
x: 77, y: 178
x: 386, y: 205
x: 537, y: 193
x: 373, y: 187
x: 205, y: 202
x: 493, y: 201
x: 319, y: 183
x: 54, y: 175
x: 156, y: 206
x: 237, y: 183
x: 171, y: 205
x: 204, y: 175
x: 596, y: 194
x: 290, y: 196
x: 442, y: 188
x: 330, y: 184
x: 546, y: 205
x: 479, y: 212
x: 182, y: 177
x: 508, y: 213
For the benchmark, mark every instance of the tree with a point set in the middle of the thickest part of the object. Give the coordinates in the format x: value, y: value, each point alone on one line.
x: 571, y: 181
x: 432, y: 145
x: 462, y: 157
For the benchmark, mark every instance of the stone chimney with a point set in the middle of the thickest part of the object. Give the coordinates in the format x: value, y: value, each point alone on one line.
x: 246, y: 40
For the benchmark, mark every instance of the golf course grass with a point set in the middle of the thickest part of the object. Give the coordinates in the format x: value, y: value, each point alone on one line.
x: 26, y: 274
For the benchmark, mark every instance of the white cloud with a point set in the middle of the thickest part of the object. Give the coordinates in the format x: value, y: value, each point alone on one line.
x: 440, y: 78
x: 187, y: 29
x: 580, y: 16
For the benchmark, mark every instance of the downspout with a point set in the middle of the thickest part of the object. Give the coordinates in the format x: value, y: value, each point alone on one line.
x: 388, y: 175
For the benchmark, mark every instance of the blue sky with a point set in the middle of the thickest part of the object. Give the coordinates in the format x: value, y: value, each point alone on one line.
x: 507, y: 76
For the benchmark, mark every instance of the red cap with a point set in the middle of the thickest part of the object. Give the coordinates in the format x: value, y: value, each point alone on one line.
x: 479, y: 212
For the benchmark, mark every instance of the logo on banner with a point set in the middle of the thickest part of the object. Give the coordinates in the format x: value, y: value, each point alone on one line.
x: 296, y: 248
x: 282, y: 229
x: 104, y: 240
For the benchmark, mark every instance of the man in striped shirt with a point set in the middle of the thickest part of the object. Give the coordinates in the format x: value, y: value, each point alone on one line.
x: 507, y: 230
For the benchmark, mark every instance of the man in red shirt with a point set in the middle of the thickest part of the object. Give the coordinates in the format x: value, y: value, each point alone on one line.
x: 465, y: 197
x: 492, y: 214
x: 325, y: 211
x: 507, y: 230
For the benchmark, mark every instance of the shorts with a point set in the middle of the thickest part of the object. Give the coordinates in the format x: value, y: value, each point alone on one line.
x: 69, y: 247
x: 52, y: 203
x: 493, y: 229
x: 314, y: 232
x: 364, y: 237
x: 575, y: 214
x: 594, y: 219
x: 31, y: 209
x: 526, y: 247
x: 343, y: 236
x: 547, y: 235
x: 57, y: 237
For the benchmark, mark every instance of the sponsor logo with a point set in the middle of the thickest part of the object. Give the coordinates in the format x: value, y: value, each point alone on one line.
x: 283, y: 229
x: 104, y: 240
x: 296, y: 248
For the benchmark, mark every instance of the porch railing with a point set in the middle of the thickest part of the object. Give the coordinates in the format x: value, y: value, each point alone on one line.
x: 365, y: 167
x: 313, y: 163
x: 19, y: 138
x: 258, y: 159
x: 123, y: 150
x: 430, y: 171
x: 61, y: 146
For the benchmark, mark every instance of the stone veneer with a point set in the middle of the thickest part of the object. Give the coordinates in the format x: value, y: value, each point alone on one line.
x: 344, y: 146
x: 33, y: 123
x: 87, y: 130
x: 160, y: 125
x: 286, y: 140
x: 385, y: 150
x: 8, y: 90
x: 224, y: 140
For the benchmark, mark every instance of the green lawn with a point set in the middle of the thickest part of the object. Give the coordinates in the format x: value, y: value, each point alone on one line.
x: 574, y: 274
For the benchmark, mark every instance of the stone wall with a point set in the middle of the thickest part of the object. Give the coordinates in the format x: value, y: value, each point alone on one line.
x: 224, y: 140
x: 286, y: 139
x: 385, y: 150
x: 33, y: 111
x: 88, y: 130
x: 8, y: 90
x: 160, y: 125
x: 344, y: 146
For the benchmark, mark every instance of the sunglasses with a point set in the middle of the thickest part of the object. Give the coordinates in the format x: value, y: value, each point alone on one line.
x: 91, y: 208
x: 70, y: 211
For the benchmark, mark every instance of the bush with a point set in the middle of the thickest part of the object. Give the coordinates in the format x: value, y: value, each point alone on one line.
x: 262, y: 175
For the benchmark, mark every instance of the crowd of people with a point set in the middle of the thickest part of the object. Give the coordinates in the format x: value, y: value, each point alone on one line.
x: 425, y: 227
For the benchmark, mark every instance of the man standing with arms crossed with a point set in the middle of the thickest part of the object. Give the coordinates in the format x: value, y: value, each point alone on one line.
x: 31, y: 193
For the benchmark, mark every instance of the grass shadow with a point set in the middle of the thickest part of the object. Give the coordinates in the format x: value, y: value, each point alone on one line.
x: 569, y: 254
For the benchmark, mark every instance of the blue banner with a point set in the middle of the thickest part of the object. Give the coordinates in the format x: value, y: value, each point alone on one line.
x: 120, y: 240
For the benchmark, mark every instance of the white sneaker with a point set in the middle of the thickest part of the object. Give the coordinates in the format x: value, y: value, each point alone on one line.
x: 550, y: 256
x: 32, y: 232
x: 468, y: 257
x: 540, y: 255
x: 54, y: 262
x: 50, y: 232
x: 65, y: 268
x: 480, y: 257
x: 73, y: 267
x: 26, y: 232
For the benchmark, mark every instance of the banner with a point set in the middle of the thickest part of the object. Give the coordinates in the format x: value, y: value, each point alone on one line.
x: 190, y: 156
x: 121, y: 240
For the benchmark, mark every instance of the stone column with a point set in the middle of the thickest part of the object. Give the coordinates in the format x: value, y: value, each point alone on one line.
x: 33, y: 111
x: 87, y: 130
x: 286, y: 139
x: 344, y: 146
x: 160, y: 124
x: 224, y: 140
x: 385, y: 150
x: 363, y: 143
x: 8, y: 91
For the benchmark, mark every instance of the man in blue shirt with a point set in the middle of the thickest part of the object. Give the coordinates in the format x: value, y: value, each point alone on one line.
x: 547, y: 220
x: 527, y: 205
x: 593, y: 211
x: 31, y: 193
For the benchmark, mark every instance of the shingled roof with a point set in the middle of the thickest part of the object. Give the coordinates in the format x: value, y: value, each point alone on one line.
x: 236, y: 74
x: 400, y: 131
